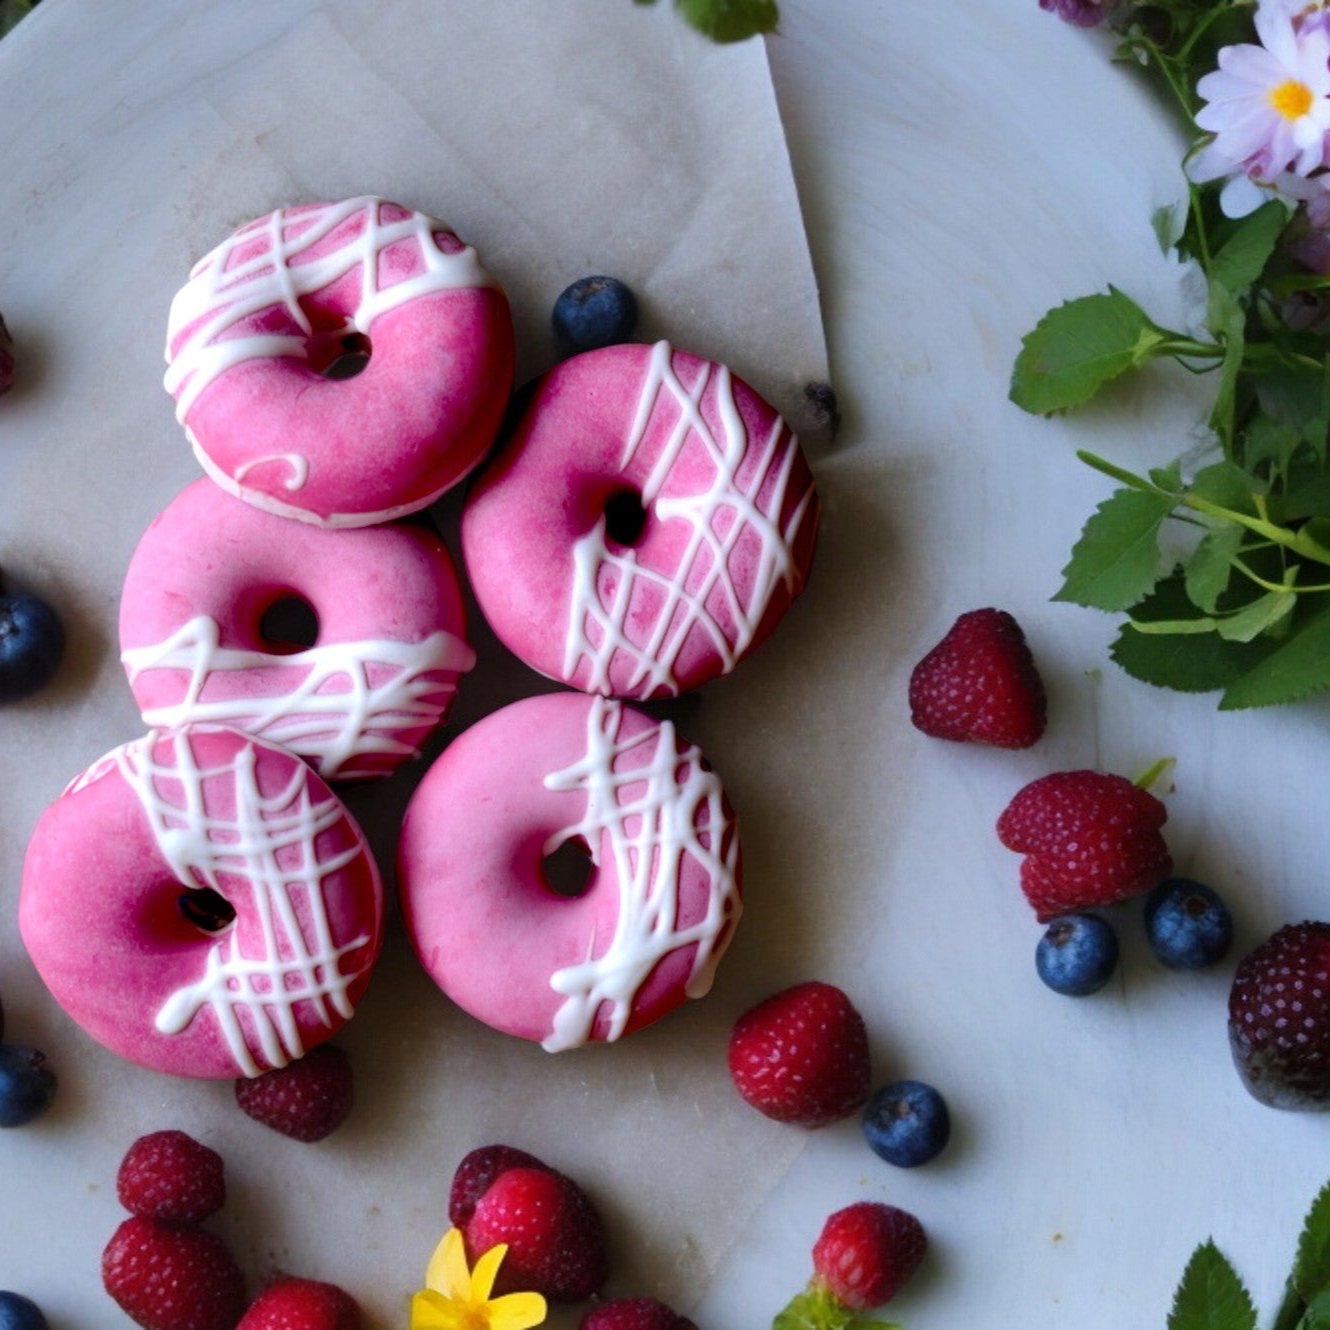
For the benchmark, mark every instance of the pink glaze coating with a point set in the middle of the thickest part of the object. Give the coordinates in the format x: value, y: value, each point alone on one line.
x: 380, y: 675
x: 171, y: 819
x: 658, y: 909
x: 249, y: 337
x: 731, y: 521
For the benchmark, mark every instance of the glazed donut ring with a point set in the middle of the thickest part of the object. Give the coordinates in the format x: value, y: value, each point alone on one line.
x: 128, y: 880
x: 728, y: 520
x: 273, y: 305
x: 380, y: 675
x: 659, y: 907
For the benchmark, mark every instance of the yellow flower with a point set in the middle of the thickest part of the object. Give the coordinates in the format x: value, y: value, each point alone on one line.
x: 455, y: 1298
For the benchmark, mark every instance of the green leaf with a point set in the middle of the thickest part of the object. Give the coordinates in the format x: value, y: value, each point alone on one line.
x: 1243, y: 256
x: 1228, y: 485
x: 1211, y: 565
x: 730, y: 20
x: 1185, y: 663
x: 1311, y: 1266
x: 1258, y: 617
x: 1267, y: 441
x: 1211, y: 1296
x: 814, y: 1309
x: 1116, y: 560
x: 1298, y: 667
x: 1228, y: 323
x: 1317, y: 1315
x: 1168, y: 223
x: 1077, y: 348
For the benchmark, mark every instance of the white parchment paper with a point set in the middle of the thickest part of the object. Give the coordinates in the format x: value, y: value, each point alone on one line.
x: 560, y: 139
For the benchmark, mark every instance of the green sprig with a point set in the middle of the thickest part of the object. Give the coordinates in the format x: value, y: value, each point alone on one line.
x: 728, y: 20
x: 1246, y: 606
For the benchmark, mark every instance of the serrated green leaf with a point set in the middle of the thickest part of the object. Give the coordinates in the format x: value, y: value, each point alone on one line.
x: 1077, y: 348
x: 730, y: 20
x: 1317, y: 1315
x: 1228, y: 323
x: 1258, y: 617
x: 1311, y: 1266
x: 1168, y: 477
x: 1116, y: 560
x: 1211, y: 1296
x: 1243, y: 256
x: 1298, y: 667
x: 1211, y: 565
x: 1185, y: 663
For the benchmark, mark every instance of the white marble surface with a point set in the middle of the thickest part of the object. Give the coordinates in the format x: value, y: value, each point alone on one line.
x: 960, y: 170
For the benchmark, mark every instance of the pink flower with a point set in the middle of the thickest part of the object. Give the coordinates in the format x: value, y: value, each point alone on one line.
x: 1268, y: 106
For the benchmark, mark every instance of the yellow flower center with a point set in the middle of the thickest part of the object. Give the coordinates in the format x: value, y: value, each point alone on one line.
x: 1292, y: 99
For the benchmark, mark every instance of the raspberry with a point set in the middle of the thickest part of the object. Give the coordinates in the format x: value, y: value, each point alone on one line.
x: 866, y: 1252
x: 307, y: 1100
x: 556, y: 1242
x: 980, y: 684
x: 302, y: 1304
x: 802, y: 1056
x: 635, y: 1314
x: 1279, y: 1018
x: 1089, y: 839
x: 170, y: 1278
x: 171, y: 1176
x: 475, y: 1174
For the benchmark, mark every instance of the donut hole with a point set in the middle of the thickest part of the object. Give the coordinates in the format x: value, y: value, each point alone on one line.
x: 288, y: 625
x: 208, y: 910
x: 567, y: 872
x: 625, y: 517
x: 342, y: 357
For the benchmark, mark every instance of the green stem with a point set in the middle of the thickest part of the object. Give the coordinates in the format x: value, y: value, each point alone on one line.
x: 1152, y: 773
x: 1297, y: 541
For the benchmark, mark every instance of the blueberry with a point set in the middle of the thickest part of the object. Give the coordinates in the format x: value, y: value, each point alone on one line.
x: 907, y: 1123
x: 26, y: 1085
x: 594, y: 312
x: 7, y: 365
x: 1189, y: 927
x: 1077, y: 954
x: 20, y: 1313
x: 32, y: 641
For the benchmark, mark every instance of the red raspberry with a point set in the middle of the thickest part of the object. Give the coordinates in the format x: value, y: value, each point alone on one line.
x: 866, y: 1253
x: 1090, y: 839
x: 302, y: 1304
x: 170, y: 1278
x: 1279, y: 1018
x: 475, y: 1174
x: 170, y: 1176
x: 802, y: 1056
x: 635, y: 1314
x: 556, y: 1242
x: 980, y: 684
x: 307, y: 1100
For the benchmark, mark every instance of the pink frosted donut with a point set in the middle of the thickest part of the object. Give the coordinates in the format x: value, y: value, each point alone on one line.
x: 201, y: 903
x: 730, y: 523
x: 659, y: 906
x: 380, y: 675
x: 276, y: 303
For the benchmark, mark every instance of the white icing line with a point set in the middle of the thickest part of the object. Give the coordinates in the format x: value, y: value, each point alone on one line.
x: 334, y: 729
x: 651, y: 833
x: 653, y: 663
x: 217, y: 298
x: 253, y: 999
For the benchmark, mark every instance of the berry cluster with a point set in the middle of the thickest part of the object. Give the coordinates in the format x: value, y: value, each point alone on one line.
x: 167, y: 1272
x: 553, y: 1234
x: 802, y: 1057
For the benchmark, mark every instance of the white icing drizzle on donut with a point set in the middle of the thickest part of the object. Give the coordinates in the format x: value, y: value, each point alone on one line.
x: 335, y: 728
x: 270, y: 850
x: 597, y: 623
x: 297, y: 462
x: 653, y: 817
x: 219, y: 295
